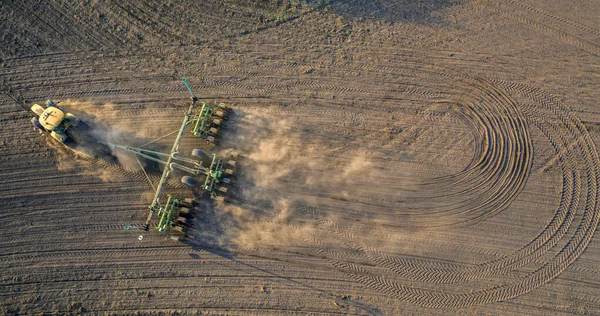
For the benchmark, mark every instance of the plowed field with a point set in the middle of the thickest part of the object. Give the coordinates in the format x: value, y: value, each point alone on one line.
x: 394, y: 157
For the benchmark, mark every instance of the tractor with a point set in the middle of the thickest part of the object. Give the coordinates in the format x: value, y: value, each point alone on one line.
x: 53, y: 120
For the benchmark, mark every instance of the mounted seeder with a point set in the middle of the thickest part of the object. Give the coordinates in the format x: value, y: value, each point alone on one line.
x: 172, y: 210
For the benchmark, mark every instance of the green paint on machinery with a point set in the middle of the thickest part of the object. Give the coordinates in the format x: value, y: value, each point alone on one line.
x: 167, y: 214
x: 210, y: 166
x: 209, y: 119
x: 215, y: 170
x: 173, y: 217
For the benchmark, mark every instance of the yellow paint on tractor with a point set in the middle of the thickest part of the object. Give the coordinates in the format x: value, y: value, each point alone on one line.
x: 51, y: 117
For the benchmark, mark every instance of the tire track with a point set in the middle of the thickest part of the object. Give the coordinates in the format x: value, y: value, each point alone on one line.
x: 569, y: 38
x: 555, y: 234
x: 549, y: 15
x: 556, y: 231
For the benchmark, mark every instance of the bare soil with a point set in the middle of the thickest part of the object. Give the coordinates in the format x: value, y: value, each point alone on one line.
x: 395, y: 157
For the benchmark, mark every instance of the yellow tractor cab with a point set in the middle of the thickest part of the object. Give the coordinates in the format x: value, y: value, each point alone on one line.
x: 53, y: 120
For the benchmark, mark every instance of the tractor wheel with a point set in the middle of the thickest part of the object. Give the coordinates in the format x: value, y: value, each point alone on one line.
x: 37, y: 124
x: 73, y: 120
x: 200, y: 154
x: 204, y: 157
x: 189, y: 181
x: 59, y: 137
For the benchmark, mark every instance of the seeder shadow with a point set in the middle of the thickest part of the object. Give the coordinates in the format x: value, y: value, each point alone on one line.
x: 217, y: 224
x: 235, y: 258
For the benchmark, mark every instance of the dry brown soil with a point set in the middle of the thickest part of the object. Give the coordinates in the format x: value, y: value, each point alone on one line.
x: 395, y: 157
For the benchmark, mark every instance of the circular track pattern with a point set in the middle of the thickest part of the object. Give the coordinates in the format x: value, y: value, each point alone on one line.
x: 562, y: 240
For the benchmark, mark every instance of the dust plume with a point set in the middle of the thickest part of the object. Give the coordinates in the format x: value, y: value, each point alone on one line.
x: 101, y: 125
x: 281, y: 174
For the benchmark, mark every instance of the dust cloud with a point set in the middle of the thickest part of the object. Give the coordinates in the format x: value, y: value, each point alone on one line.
x: 103, y: 124
x: 281, y: 174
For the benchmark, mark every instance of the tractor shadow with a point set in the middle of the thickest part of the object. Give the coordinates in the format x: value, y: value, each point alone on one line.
x: 91, y: 138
